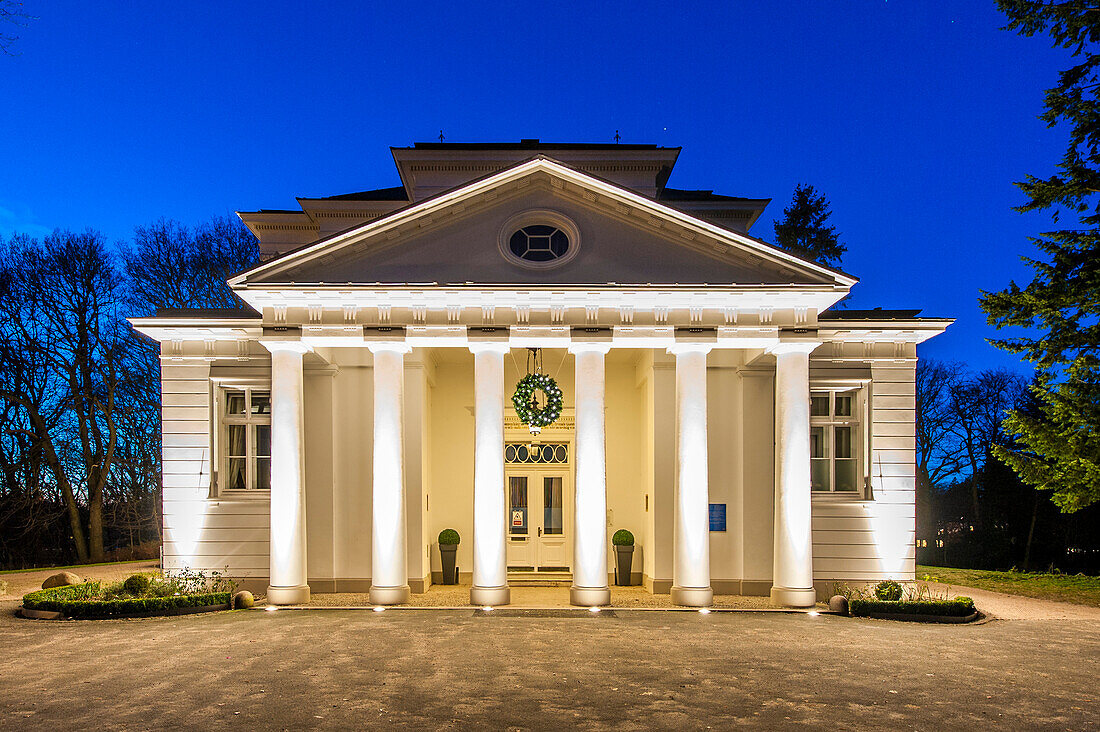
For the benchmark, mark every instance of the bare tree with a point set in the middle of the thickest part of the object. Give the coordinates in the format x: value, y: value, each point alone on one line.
x: 173, y: 266
x: 11, y: 14
x: 64, y: 352
x: 978, y: 406
x: 939, y: 456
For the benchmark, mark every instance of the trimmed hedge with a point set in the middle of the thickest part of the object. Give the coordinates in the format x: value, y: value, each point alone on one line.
x: 956, y: 607
x: 75, y: 601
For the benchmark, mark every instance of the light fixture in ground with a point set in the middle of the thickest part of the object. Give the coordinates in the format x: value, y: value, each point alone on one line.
x: 704, y: 611
x: 379, y: 609
x: 593, y: 609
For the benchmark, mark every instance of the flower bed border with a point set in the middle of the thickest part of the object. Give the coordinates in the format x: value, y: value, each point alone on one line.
x: 71, y: 601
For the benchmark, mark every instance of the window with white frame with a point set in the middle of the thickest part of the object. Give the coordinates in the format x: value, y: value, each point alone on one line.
x: 245, y: 438
x: 837, y: 441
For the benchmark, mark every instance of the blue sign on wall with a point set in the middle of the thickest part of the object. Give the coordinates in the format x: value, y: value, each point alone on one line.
x: 717, y: 517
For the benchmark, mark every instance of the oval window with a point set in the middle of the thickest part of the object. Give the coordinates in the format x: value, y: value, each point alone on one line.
x: 539, y: 243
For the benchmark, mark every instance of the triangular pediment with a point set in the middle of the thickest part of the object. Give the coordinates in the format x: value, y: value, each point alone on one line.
x: 616, y: 237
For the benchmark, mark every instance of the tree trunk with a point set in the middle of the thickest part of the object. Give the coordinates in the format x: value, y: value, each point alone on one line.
x: 1031, y: 534
x: 95, y: 528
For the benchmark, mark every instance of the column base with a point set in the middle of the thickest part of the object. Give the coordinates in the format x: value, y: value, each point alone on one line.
x: 288, y: 595
x: 589, y: 596
x: 788, y: 597
x: 692, y: 596
x: 490, y: 596
x: 389, y: 595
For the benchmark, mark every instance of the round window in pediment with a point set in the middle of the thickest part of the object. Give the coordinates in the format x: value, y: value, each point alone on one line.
x: 539, y: 243
x: 539, y: 239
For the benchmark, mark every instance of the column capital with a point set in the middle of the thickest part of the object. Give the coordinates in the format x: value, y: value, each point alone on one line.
x: 589, y: 347
x: 490, y: 347
x: 291, y: 346
x: 677, y: 348
x: 389, y: 347
x: 784, y: 347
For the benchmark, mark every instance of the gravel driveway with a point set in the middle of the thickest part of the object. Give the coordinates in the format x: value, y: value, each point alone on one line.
x: 515, y: 669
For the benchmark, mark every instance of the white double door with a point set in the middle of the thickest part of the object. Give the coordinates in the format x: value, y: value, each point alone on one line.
x: 539, y: 520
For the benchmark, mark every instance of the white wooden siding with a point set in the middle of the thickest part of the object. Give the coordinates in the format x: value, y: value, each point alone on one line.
x: 200, y: 531
x: 874, y: 539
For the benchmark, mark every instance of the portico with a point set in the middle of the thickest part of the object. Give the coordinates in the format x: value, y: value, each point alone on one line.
x: 590, y: 567
x: 753, y: 440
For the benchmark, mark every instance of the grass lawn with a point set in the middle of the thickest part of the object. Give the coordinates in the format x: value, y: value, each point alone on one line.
x: 1074, y: 588
x: 72, y: 566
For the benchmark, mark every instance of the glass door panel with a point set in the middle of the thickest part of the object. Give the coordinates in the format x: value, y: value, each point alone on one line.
x: 517, y: 505
x: 552, y: 519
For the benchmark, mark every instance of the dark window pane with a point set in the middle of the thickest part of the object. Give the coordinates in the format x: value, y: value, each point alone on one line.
x: 552, y: 508
x: 842, y: 442
x: 846, y: 475
x: 234, y: 402
x: 819, y: 474
x: 819, y: 405
x: 817, y: 442
x: 235, y: 436
x: 539, y: 255
x: 262, y: 439
x: 518, y: 243
x: 843, y: 405
x: 261, y: 402
x: 539, y: 230
x: 263, y: 473
x: 517, y: 505
x: 235, y: 470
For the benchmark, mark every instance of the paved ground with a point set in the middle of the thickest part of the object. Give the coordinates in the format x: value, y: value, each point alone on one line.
x: 462, y: 669
x: 1032, y: 666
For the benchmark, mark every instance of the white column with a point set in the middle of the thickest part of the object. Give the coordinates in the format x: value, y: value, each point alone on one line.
x: 389, y: 564
x: 590, y: 489
x: 691, y: 562
x: 793, y: 572
x: 490, y: 508
x: 288, y: 582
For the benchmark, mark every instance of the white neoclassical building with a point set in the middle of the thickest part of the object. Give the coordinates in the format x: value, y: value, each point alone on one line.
x: 752, y: 439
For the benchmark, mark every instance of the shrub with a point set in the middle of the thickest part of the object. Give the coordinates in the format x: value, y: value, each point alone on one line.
x: 623, y: 537
x: 888, y: 590
x: 958, y: 607
x: 137, y: 584
x: 196, y: 581
x: 449, y: 536
x: 80, y: 601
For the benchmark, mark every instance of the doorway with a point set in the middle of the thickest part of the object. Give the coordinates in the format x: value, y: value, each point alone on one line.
x: 538, y: 539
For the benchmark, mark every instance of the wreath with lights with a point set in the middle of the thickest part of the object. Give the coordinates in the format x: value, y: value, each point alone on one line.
x: 527, y: 404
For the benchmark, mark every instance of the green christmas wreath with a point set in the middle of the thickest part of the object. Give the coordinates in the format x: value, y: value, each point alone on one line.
x: 527, y: 408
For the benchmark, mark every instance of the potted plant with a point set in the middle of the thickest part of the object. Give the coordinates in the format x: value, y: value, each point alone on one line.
x: 624, y: 551
x: 448, y: 547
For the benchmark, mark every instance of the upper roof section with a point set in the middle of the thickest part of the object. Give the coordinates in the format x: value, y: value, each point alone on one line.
x: 429, y: 168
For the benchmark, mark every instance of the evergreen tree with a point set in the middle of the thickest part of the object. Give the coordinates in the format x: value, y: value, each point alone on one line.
x: 1058, y: 449
x: 804, y: 229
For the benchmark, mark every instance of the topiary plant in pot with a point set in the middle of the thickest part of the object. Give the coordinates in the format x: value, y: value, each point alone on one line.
x: 448, y: 547
x: 624, y: 554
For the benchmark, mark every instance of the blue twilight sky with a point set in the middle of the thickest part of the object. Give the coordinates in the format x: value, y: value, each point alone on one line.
x: 913, y: 118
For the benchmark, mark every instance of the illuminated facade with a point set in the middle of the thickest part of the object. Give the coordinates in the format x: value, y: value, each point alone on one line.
x: 753, y: 440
